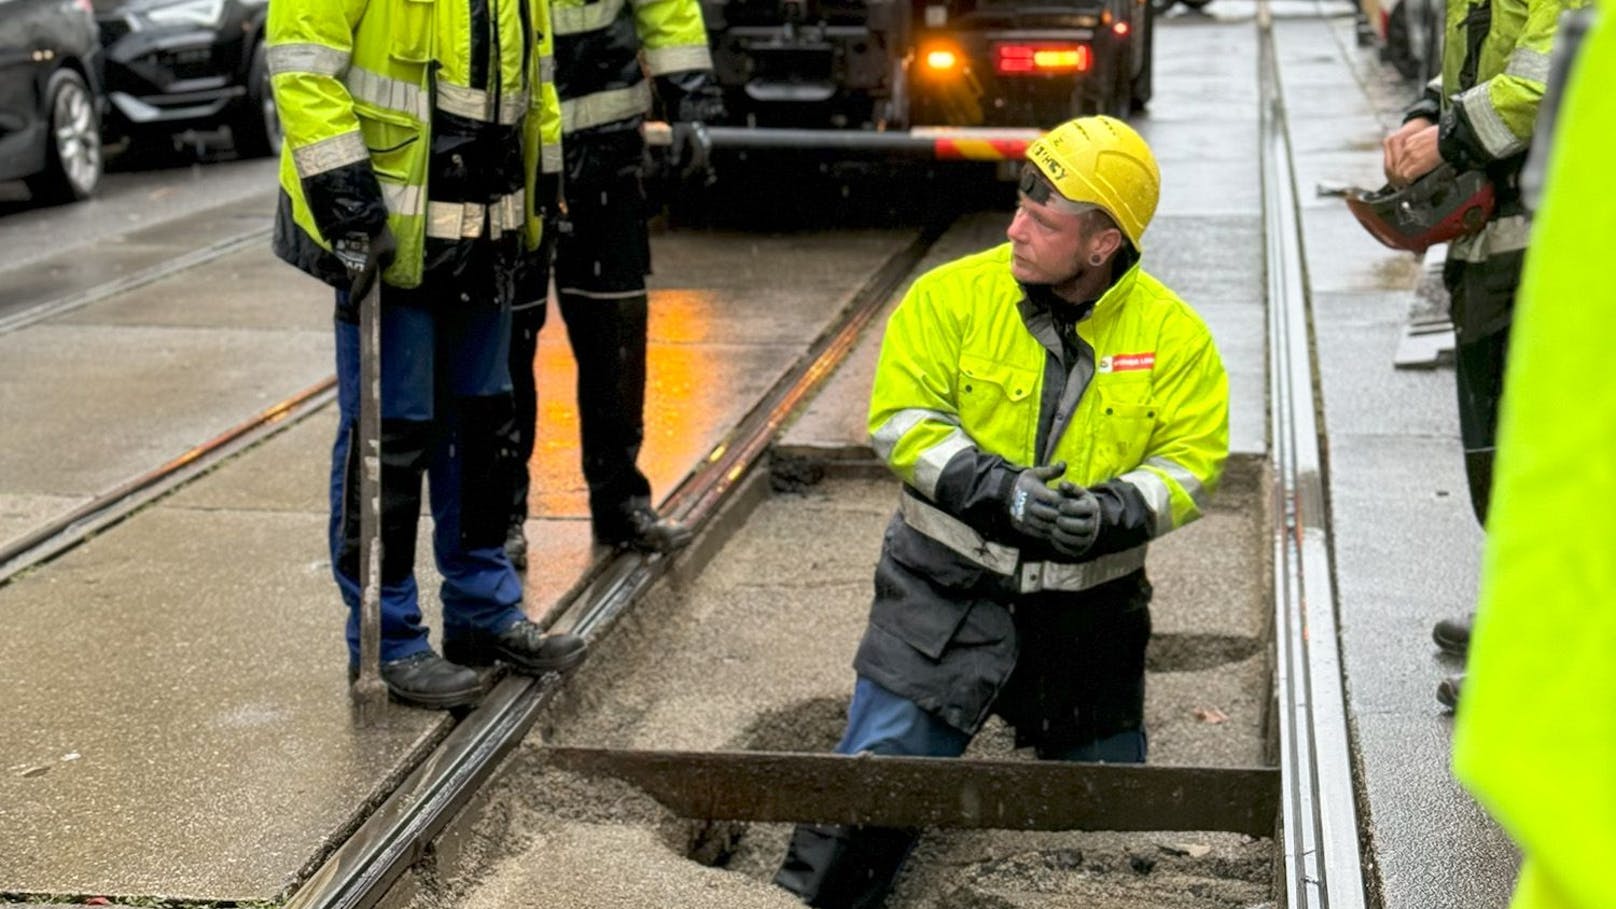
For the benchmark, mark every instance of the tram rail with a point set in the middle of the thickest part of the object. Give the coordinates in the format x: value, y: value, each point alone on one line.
x: 150, y: 274
x: 1319, y: 820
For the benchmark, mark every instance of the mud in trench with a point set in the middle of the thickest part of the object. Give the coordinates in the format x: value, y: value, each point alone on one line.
x: 752, y: 651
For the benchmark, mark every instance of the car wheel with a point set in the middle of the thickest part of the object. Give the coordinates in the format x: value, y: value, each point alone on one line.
x: 1196, y: 4
x: 73, y: 158
x: 256, y: 128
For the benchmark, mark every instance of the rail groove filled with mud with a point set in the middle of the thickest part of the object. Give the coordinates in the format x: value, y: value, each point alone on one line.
x: 746, y: 647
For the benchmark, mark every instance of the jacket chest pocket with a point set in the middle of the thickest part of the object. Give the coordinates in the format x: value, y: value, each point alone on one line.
x: 414, y: 28
x: 997, y: 403
x: 1127, y: 419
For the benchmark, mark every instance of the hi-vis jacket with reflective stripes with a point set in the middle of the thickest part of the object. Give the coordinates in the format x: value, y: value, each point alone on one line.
x: 356, y: 83
x: 1495, y: 58
x: 971, y: 388
x: 599, y: 47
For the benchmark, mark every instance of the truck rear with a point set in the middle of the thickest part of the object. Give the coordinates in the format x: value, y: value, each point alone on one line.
x: 937, y: 78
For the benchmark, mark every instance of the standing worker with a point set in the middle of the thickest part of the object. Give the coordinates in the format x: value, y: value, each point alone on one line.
x: 603, y: 251
x: 1051, y: 408
x: 413, y: 134
x: 1536, y: 740
x: 1478, y: 115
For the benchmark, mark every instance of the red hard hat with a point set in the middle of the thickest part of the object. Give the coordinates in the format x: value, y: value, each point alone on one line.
x: 1438, y: 207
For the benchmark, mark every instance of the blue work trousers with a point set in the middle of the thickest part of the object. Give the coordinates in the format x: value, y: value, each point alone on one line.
x: 838, y: 867
x: 446, y: 399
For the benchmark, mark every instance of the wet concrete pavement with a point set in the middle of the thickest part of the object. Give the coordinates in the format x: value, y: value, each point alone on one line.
x: 1407, y: 547
x: 177, y: 723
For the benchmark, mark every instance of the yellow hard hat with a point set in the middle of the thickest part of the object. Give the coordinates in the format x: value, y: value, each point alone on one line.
x: 1102, y: 161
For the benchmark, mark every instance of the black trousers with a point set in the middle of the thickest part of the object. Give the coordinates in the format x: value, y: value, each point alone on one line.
x: 526, y: 322
x: 1482, y: 299
x: 603, y: 255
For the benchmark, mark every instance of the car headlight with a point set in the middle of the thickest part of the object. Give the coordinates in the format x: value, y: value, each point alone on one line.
x: 200, y: 13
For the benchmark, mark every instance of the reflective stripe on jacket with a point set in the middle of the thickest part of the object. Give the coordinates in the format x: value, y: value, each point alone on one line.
x: 599, y: 74
x: 356, y: 83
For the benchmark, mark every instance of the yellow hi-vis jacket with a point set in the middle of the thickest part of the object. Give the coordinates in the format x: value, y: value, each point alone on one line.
x: 1536, y: 734
x: 356, y: 83
x: 970, y: 389
x: 1495, y: 57
x: 600, y: 45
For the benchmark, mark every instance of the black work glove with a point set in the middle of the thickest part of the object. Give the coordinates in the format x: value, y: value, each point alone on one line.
x: 366, y: 257
x: 689, y: 154
x: 1077, y: 523
x: 690, y: 97
x: 1034, y: 506
x: 690, y: 101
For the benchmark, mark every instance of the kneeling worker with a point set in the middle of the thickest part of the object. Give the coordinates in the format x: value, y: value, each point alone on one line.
x: 1051, y: 408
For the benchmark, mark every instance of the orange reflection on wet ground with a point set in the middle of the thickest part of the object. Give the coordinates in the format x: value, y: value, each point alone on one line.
x: 689, y: 403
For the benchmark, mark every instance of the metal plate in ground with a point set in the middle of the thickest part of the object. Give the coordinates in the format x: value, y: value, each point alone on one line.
x: 941, y: 792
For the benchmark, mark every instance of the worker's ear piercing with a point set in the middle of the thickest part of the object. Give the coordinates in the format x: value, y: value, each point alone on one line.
x: 1096, y: 261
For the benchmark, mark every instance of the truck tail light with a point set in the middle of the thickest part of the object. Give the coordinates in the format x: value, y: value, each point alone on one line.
x: 1035, y: 59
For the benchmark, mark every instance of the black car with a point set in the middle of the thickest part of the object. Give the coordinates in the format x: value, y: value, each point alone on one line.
x: 179, y: 65
x: 50, y: 123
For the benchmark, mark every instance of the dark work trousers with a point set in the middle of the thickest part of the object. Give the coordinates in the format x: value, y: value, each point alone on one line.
x: 601, y: 263
x: 446, y: 414
x: 841, y: 867
x: 1482, y: 298
x: 526, y: 321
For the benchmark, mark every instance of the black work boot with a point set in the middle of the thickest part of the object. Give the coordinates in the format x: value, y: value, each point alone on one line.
x: 427, y: 680
x: 1447, y: 693
x: 643, y: 530
x: 1453, y: 635
x: 516, y: 545
x: 523, y: 647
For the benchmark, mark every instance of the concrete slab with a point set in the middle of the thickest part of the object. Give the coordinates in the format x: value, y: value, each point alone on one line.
x: 21, y: 514
x: 287, y: 473
x: 248, y: 289
x: 65, y: 276
x: 1209, y: 259
x: 1433, y: 847
x: 1248, y: 407
x: 1210, y: 187
x: 1179, y: 140
x: 1335, y: 310
x: 137, y: 397
x: 1369, y: 396
x: 205, y: 751
x: 1401, y: 511
x: 128, y: 200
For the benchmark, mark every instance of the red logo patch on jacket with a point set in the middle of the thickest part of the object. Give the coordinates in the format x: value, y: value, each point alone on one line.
x: 1128, y: 362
